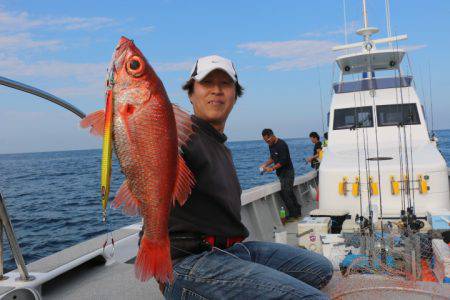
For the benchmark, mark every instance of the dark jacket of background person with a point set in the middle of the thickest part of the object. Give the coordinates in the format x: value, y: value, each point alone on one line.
x: 315, y: 163
x: 279, y: 152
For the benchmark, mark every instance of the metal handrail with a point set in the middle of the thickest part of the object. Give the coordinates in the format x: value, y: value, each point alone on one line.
x: 15, y: 248
x: 5, y: 221
x: 40, y: 93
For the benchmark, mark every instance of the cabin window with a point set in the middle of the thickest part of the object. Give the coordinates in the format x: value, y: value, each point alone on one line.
x: 345, y: 118
x: 397, y: 114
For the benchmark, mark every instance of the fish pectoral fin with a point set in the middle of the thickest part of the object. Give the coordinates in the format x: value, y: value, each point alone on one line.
x: 97, y: 122
x: 125, y: 197
x: 185, y: 182
x: 185, y: 126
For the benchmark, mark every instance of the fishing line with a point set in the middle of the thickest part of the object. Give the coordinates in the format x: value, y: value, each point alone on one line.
x: 405, y: 142
x: 431, y: 100
x: 321, y: 101
x: 410, y: 137
x: 375, y: 123
x: 358, y: 151
x: 400, y: 150
x: 362, y: 101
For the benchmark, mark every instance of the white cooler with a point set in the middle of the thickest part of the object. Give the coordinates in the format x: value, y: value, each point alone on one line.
x: 441, y: 253
x: 309, y: 231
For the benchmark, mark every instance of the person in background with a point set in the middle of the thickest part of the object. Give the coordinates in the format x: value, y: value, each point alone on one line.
x: 325, y: 139
x: 314, y: 159
x: 280, y: 162
x: 210, y: 258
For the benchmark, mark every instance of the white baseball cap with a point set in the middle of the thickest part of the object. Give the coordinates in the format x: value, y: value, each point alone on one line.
x: 207, y: 64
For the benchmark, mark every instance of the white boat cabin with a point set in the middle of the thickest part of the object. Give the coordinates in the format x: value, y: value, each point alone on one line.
x: 379, y: 149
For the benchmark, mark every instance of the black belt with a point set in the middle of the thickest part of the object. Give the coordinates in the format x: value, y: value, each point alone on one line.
x: 184, y: 244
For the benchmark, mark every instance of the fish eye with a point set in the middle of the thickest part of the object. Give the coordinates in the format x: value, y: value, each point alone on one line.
x: 135, y: 66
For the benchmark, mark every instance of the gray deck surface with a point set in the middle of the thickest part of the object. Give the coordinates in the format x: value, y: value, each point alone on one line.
x: 65, y: 256
x: 112, y: 282
x: 5, y: 289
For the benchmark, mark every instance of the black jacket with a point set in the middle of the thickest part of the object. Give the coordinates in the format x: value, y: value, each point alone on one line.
x: 214, y: 206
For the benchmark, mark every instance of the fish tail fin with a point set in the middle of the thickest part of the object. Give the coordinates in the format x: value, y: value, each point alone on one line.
x: 125, y: 196
x: 97, y: 122
x: 184, y: 183
x: 153, y: 260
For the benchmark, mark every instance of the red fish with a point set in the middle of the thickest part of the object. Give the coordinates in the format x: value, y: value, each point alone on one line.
x: 148, y: 132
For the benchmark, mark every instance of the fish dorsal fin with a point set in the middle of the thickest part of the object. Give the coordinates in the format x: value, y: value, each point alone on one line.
x: 125, y: 197
x: 185, y: 182
x: 185, y: 126
x: 97, y: 122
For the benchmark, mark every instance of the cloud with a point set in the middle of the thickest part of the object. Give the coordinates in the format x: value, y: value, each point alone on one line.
x: 25, y: 41
x: 83, y: 72
x: 414, y: 47
x: 300, y: 54
x: 148, y: 29
x: 294, y: 54
x: 351, y: 28
x: 22, y: 21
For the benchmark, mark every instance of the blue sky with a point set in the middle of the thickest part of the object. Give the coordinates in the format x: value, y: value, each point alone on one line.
x: 280, y: 49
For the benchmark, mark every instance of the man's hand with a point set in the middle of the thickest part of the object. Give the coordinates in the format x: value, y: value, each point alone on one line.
x: 268, y: 169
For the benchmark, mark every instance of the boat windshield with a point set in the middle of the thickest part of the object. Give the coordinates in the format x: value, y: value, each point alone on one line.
x: 372, y: 84
x: 397, y: 114
x: 344, y: 118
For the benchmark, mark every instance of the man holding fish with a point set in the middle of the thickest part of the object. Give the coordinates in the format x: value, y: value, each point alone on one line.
x: 195, y: 206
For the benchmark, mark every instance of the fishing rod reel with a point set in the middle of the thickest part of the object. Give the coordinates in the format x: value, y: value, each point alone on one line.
x: 409, y: 220
x: 363, y: 222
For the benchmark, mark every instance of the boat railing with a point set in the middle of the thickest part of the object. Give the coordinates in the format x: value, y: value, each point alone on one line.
x: 5, y: 223
x: 367, y: 84
x: 261, y: 205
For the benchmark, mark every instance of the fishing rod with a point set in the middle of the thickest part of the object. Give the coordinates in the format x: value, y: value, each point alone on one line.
x: 372, y: 94
x: 42, y: 94
x: 407, y: 213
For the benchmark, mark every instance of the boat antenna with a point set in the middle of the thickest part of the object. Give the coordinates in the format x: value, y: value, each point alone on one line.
x: 388, y: 20
x: 321, y: 100
x: 366, y: 19
x: 345, y: 23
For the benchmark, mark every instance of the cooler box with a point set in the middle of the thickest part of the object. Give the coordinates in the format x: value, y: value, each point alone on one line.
x: 337, y: 217
x: 439, y: 219
x: 441, y: 255
x: 309, y: 231
x: 350, y: 226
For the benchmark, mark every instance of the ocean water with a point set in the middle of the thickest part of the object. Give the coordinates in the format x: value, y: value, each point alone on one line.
x: 53, y: 197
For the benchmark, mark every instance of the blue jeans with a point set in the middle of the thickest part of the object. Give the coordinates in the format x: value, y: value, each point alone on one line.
x: 251, y: 270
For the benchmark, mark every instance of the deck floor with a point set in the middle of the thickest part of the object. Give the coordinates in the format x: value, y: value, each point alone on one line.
x: 104, y: 283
